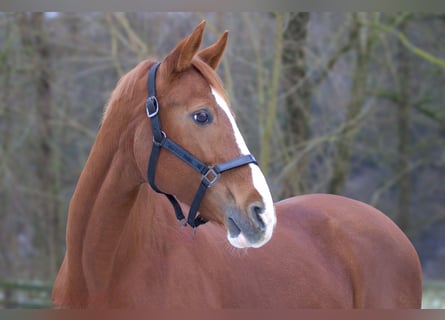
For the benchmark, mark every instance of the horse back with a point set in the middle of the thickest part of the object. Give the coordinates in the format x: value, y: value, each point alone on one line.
x: 379, y: 262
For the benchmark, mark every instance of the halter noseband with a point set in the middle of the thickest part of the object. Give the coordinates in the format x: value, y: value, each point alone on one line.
x: 209, y: 174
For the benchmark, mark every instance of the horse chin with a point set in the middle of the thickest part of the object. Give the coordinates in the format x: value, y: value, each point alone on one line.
x: 241, y: 241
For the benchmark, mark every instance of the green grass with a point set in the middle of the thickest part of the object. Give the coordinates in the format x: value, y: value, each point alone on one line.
x: 25, y: 294
x: 36, y: 294
x: 433, y: 295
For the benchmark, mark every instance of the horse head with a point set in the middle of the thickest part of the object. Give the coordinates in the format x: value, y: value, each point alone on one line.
x: 195, y: 113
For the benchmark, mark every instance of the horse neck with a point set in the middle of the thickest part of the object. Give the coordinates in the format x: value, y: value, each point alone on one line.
x: 110, y: 202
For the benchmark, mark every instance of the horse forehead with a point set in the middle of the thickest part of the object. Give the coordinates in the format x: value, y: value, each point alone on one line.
x: 188, y: 86
x: 194, y: 87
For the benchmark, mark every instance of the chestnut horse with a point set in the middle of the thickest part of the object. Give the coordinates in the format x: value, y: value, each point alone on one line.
x: 125, y: 247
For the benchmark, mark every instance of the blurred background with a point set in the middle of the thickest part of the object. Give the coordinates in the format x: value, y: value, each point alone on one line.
x: 350, y: 103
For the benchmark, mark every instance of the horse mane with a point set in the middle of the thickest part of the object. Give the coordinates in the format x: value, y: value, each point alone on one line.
x: 128, y: 91
x: 126, y: 88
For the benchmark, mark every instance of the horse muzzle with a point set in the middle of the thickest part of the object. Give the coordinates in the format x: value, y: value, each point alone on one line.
x: 252, y: 227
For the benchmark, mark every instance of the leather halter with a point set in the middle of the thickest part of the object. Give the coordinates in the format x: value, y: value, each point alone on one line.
x: 209, y: 174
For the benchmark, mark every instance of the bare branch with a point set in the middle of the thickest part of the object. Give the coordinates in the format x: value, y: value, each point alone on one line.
x: 137, y: 44
x: 409, y: 45
x: 114, y: 44
x: 272, y: 95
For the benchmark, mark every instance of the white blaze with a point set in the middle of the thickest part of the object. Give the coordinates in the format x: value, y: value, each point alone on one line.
x: 259, y: 182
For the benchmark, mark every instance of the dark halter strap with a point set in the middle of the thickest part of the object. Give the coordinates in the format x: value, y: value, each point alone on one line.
x: 209, y: 174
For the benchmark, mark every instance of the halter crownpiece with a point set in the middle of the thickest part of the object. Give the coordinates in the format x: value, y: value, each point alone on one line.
x: 209, y: 174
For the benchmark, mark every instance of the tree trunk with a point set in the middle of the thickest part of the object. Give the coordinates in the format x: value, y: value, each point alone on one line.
x: 272, y: 93
x: 346, y: 138
x: 403, y: 120
x: 31, y: 26
x: 6, y: 137
x: 296, y: 112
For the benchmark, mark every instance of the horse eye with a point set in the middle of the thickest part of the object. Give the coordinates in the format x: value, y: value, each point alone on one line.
x: 202, y: 117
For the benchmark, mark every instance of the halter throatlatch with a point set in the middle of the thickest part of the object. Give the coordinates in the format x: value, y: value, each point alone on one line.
x: 209, y: 174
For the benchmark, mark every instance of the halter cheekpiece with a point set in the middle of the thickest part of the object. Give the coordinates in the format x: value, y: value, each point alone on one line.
x: 209, y: 174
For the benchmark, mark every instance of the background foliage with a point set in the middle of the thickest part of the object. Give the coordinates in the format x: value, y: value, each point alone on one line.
x: 350, y: 104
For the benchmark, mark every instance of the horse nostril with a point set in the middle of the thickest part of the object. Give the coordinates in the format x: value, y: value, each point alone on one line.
x: 255, y: 211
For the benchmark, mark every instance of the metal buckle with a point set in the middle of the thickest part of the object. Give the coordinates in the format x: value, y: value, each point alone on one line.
x: 210, y: 177
x: 154, y: 101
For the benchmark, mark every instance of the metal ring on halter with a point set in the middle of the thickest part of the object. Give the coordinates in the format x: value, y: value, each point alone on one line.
x: 159, y: 143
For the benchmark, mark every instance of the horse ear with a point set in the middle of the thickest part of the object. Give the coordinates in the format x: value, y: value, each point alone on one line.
x: 180, y: 58
x: 212, y: 55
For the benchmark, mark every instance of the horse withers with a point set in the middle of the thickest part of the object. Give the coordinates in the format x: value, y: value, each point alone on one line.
x: 171, y: 146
